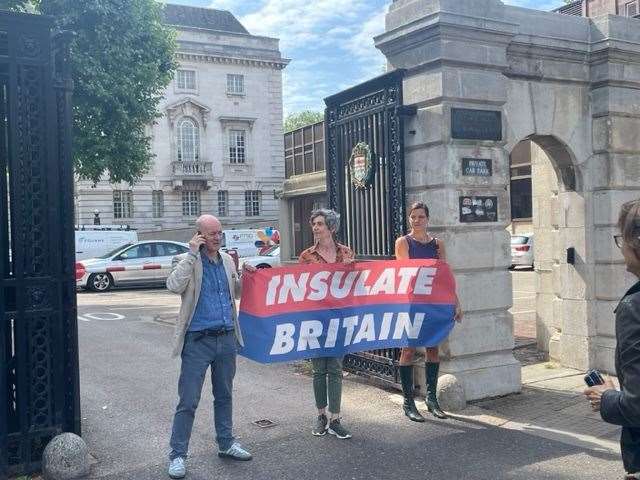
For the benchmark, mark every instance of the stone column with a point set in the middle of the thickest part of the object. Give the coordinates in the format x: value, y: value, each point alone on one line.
x: 615, y: 172
x: 455, y: 52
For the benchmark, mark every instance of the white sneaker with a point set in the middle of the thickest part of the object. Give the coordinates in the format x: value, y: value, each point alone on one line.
x: 177, y: 468
x: 235, y: 452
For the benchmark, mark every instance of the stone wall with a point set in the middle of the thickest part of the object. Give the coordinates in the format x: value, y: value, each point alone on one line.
x: 559, y: 81
x: 596, y: 8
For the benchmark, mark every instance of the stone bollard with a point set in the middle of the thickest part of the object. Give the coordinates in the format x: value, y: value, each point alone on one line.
x: 66, y: 457
x: 451, y: 394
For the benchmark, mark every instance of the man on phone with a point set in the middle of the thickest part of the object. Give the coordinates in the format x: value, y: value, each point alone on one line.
x: 206, y: 335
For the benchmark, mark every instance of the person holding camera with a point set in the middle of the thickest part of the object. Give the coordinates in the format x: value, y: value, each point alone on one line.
x: 622, y: 407
x: 207, y: 334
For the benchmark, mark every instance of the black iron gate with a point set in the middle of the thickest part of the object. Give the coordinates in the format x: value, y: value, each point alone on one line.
x: 38, y: 331
x: 364, y: 142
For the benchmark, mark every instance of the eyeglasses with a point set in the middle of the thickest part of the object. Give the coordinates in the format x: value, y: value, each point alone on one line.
x: 618, y: 240
x: 212, y: 234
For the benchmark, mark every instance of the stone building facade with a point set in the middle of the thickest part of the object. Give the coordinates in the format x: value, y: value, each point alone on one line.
x: 523, y: 180
x: 567, y: 83
x: 217, y: 145
x: 596, y: 8
x: 304, y: 188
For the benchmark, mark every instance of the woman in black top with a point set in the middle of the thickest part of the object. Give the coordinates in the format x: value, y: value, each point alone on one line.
x: 420, y: 244
x: 622, y: 407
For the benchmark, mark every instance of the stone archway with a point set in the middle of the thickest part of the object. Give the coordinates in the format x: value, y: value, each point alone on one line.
x: 561, y: 270
x: 483, y: 76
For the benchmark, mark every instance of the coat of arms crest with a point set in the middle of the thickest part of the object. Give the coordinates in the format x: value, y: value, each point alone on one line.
x: 361, y: 166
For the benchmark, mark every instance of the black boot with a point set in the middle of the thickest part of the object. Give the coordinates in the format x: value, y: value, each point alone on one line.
x: 431, y: 371
x: 409, y: 406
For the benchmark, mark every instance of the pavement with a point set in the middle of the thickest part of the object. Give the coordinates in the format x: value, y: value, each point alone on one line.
x: 128, y: 390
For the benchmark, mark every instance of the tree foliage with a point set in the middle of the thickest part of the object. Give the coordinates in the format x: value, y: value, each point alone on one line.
x: 122, y: 59
x: 294, y: 121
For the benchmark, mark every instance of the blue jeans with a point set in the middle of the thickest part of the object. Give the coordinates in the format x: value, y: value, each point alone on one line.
x: 197, y: 355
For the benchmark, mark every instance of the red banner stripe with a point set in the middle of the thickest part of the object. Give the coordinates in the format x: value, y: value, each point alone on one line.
x: 256, y: 286
x: 115, y: 269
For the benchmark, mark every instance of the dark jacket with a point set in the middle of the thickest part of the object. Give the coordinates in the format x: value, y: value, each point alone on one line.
x: 623, y: 407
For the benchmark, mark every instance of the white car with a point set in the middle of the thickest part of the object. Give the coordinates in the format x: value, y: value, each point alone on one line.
x: 140, y: 263
x: 522, y: 250
x: 269, y: 259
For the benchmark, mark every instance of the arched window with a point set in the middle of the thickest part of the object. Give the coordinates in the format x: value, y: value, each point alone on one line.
x: 188, y: 141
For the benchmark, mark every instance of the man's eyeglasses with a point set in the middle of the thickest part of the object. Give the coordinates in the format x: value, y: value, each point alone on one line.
x: 212, y: 234
x: 618, y: 240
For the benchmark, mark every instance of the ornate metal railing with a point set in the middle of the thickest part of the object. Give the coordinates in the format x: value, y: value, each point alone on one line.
x: 372, y: 114
x: 364, y: 145
x: 39, y: 380
x: 194, y: 170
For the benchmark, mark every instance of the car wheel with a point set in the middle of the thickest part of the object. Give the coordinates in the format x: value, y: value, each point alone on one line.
x: 100, y: 282
x: 263, y: 265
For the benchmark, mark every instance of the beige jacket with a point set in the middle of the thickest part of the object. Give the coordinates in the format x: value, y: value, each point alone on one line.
x: 186, y: 280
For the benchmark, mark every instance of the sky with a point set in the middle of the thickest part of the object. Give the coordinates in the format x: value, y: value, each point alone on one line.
x: 329, y: 42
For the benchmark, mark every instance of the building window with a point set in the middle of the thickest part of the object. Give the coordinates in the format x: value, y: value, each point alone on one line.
x: 157, y: 197
x: 235, y: 84
x: 186, y: 79
x: 521, y: 208
x: 223, y: 203
x: 122, y: 204
x: 631, y: 9
x: 237, y: 146
x: 521, y: 205
x: 191, y: 203
x: 188, y: 141
x: 252, y: 203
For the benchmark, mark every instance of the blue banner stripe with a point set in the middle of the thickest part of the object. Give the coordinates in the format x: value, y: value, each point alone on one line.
x: 334, y: 333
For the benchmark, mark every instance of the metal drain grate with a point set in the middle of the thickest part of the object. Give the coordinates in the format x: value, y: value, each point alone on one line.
x: 264, y: 423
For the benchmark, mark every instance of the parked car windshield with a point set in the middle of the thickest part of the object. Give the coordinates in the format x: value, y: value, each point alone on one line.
x: 519, y: 240
x: 114, y: 251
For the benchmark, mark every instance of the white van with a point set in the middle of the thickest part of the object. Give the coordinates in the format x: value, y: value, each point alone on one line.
x: 95, y: 240
x: 248, y: 242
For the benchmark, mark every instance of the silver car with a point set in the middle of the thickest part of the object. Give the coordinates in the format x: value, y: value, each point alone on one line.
x: 140, y: 263
x: 269, y: 259
x: 522, y: 250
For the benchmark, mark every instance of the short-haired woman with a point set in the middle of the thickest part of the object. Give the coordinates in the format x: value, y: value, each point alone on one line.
x: 622, y: 407
x: 327, y: 371
x: 420, y: 244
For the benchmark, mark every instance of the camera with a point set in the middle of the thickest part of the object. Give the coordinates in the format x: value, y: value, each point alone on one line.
x: 593, y: 377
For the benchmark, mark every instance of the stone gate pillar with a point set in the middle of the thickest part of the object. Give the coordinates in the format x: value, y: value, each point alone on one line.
x: 455, y: 52
x: 615, y: 166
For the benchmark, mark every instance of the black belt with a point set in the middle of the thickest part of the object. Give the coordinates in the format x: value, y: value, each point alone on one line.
x: 211, y: 332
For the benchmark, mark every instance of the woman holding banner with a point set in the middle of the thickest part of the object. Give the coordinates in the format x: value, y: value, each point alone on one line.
x: 420, y: 244
x: 327, y: 371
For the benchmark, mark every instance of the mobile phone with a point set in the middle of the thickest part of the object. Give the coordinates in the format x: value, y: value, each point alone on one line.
x: 593, y: 377
x: 201, y: 246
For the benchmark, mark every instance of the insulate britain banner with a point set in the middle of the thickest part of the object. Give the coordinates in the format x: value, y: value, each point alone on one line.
x: 329, y: 310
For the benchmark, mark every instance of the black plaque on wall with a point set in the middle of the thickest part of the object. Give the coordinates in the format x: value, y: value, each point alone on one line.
x: 478, y: 209
x: 476, y: 167
x: 471, y: 124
